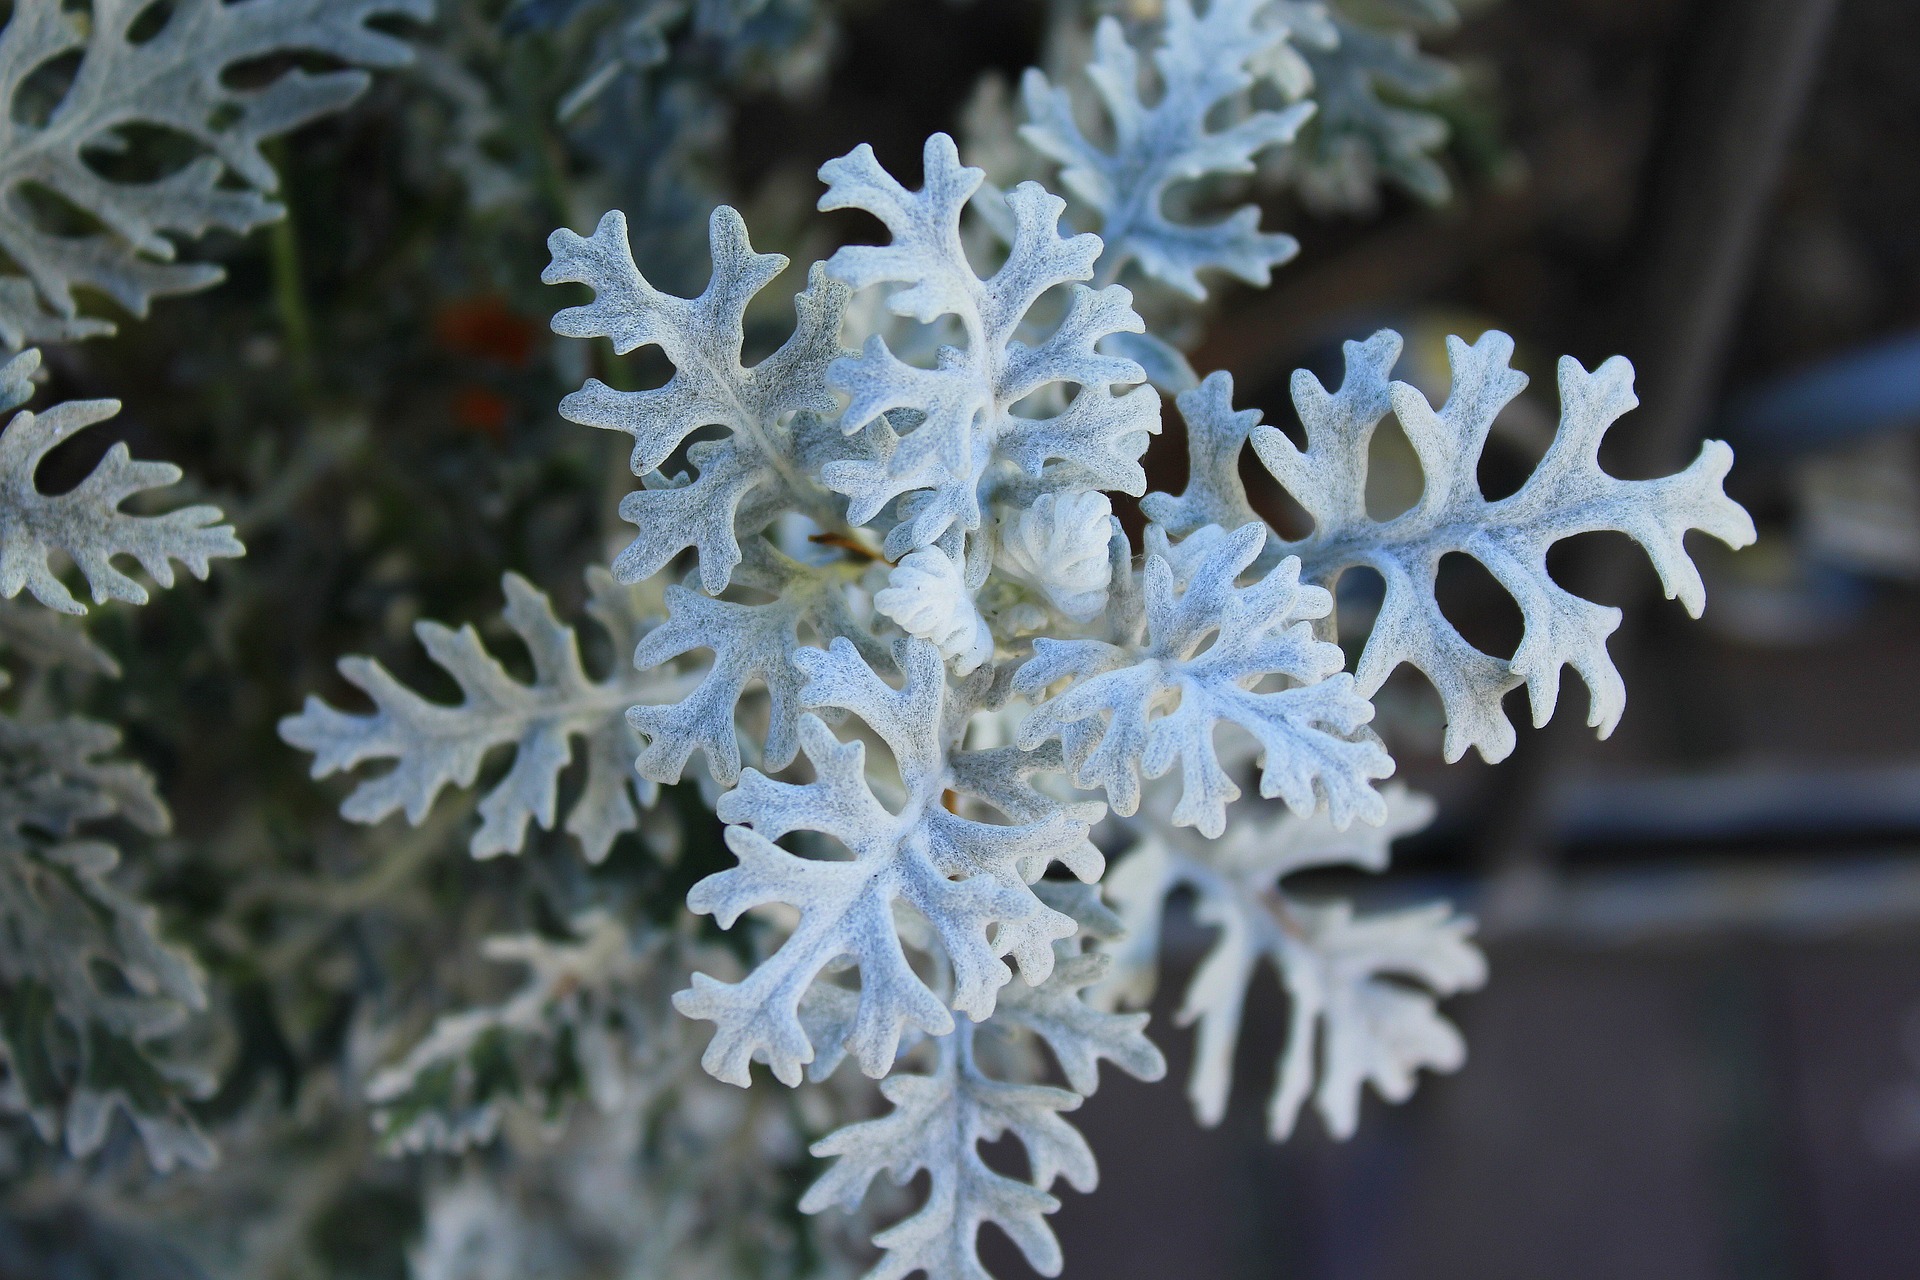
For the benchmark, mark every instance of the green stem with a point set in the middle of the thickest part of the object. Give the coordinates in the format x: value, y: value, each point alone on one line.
x: 289, y: 288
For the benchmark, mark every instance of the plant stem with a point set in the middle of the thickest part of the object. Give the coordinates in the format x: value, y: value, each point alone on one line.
x: 289, y: 288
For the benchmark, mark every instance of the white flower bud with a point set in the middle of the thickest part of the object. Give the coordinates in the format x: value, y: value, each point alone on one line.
x: 927, y: 595
x: 1059, y: 545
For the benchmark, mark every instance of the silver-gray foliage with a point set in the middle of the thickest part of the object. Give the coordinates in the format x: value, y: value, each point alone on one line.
x: 172, y: 79
x: 940, y: 1118
x: 1190, y: 658
x: 753, y: 467
x: 753, y: 644
x: 86, y: 523
x: 1361, y: 988
x: 963, y: 876
x: 1373, y: 83
x: 434, y: 745
x: 918, y: 598
x: 967, y: 436
x: 1027, y: 664
x: 1203, y: 62
x: 89, y: 992
x: 1568, y: 494
x: 918, y: 869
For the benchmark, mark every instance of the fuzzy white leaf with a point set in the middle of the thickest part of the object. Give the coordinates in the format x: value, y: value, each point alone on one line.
x: 1361, y: 989
x: 702, y: 337
x: 434, y: 745
x: 174, y: 79
x: 751, y: 643
x: 963, y: 876
x: 1567, y: 494
x: 967, y: 398
x: 86, y: 522
x: 1203, y: 62
x: 926, y: 593
x: 16, y: 380
x: 940, y: 1119
x: 1078, y: 1034
x: 937, y: 1125
x: 1216, y: 435
x: 1156, y: 699
x: 1374, y: 1028
x: 1058, y: 545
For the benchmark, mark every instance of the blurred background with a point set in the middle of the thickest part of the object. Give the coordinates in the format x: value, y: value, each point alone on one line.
x: 1699, y: 1053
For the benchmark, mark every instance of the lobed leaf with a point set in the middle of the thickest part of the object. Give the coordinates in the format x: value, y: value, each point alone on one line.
x: 941, y: 1118
x: 1359, y: 987
x: 1156, y: 700
x: 963, y: 876
x: 174, y: 79
x: 1203, y: 62
x: 434, y: 745
x: 702, y: 337
x: 963, y: 405
x: 751, y: 643
x: 86, y: 523
x: 1567, y: 494
x: 89, y: 992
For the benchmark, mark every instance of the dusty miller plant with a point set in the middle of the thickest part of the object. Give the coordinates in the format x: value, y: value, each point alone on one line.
x: 930, y: 677
x: 122, y: 136
x: 877, y: 617
x: 61, y: 136
x: 89, y: 990
x: 1162, y: 125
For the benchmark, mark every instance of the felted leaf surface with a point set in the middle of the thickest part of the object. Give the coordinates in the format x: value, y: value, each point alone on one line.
x: 929, y: 596
x: 1155, y: 700
x: 88, y: 991
x: 710, y: 387
x: 86, y: 523
x: 1059, y: 546
x: 174, y: 79
x: 1216, y: 435
x: 937, y: 1124
x: 1567, y: 494
x: 963, y: 876
x: 434, y: 745
x: 963, y: 405
x: 1203, y: 62
x: 1362, y: 989
x: 16, y: 380
x: 939, y: 1120
x: 1078, y: 1034
x: 752, y: 644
